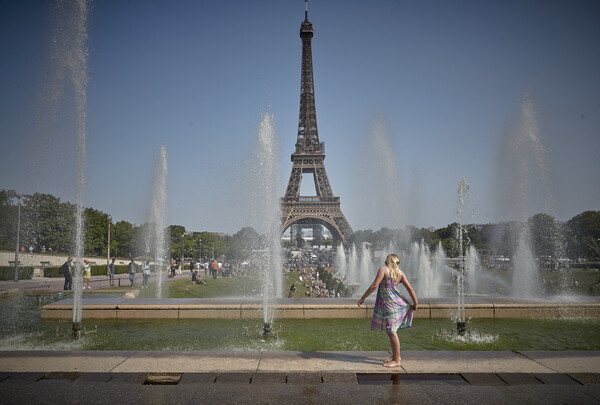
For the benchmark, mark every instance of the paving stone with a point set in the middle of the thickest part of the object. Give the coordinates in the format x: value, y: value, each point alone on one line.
x: 29, y: 376
x: 86, y: 378
x: 519, y: 379
x: 556, y: 378
x: 59, y: 375
x: 586, y: 378
x: 592, y: 391
x: 431, y: 379
x: 198, y: 378
x: 485, y: 379
x: 546, y: 394
x: 238, y: 378
x: 304, y: 378
x: 348, y: 378
x: 378, y: 379
x: 135, y: 378
x: 260, y: 378
x: 463, y: 394
x: 404, y: 379
x: 163, y: 379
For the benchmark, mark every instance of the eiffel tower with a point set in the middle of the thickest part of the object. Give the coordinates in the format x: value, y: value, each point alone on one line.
x: 323, y: 209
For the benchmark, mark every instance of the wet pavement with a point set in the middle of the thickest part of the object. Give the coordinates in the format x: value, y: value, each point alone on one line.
x: 426, y: 377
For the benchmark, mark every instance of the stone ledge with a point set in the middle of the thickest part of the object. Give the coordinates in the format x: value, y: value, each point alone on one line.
x: 315, y: 311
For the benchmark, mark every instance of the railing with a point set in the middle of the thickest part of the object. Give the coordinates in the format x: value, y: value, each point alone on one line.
x: 311, y: 199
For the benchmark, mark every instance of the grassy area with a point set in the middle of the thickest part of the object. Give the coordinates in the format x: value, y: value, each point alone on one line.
x: 221, y: 287
x: 290, y: 278
x: 588, y: 281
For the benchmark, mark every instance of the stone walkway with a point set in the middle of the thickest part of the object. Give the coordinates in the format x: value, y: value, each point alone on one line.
x: 432, y: 377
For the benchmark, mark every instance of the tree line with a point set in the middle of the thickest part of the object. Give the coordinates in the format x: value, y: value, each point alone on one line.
x: 46, y: 221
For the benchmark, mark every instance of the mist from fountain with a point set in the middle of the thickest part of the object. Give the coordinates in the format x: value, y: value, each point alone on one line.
x: 389, y: 211
x: 366, y: 267
x: 341, y: 263
x: 472, y: 269
x: 267, y: 219
x: 425, y: 268
x: 156, y: 242
x: 64, y: 114
x: 463, y: 188
x: 524, y: 181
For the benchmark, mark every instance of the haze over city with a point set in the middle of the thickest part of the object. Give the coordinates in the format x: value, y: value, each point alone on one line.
x: 411, y: 97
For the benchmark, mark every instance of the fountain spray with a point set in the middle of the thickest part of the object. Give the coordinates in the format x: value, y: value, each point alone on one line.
x: 69, y: 54
x: 156, y: 240
x: 460, y: 283
x: 267, y: 214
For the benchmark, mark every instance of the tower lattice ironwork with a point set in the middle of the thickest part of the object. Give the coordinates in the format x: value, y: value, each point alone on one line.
x: 324, y: 208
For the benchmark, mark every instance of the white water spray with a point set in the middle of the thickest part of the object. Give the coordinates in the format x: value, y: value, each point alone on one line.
x: 266, y: 211
x: 67, y: 84
x: 157, y: 240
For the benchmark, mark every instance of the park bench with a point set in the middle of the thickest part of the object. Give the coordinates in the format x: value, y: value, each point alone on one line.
x: 12, y: 262
x: 45, y: 264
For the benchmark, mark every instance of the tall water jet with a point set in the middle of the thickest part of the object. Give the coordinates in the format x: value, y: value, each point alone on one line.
x: 383, y: 165
x: 525, y: 183
x: 353, y: 265
x: 366, y: 266
x: 341, y: 265
x: 266, y: 212
x: 472, y: 267
x: 427, y: 271
x: 65, y: 88
x: 460, y: 282
x: 157, y: 239
x: 525, y: 282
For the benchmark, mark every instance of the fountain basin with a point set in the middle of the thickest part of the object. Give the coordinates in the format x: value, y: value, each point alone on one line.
x: 182, y: 308
x: 22, y: 328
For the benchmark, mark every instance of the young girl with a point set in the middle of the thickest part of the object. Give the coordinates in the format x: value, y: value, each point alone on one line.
x: 87, y: 274
x: 392, y: 311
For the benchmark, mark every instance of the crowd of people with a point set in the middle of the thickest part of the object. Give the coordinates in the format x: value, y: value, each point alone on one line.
x: 315, y: 287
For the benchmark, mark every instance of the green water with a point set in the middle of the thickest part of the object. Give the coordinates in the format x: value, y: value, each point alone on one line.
x: 21, y: 328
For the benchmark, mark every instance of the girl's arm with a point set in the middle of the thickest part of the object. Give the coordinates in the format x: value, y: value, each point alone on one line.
x: 410, y: 290
x: 380, y: 275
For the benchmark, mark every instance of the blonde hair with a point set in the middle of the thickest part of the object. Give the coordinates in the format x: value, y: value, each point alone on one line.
x: 392, y: 261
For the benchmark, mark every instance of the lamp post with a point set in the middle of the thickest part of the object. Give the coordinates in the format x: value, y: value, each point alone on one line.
x: 200, y: 246
x: 19, y: 195
x: 108, y: 249
x: 182, y: 242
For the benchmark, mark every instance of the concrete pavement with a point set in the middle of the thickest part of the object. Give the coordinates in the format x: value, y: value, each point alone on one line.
x: 432, y: 377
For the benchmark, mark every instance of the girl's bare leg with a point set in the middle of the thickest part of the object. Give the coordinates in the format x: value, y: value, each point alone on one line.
x: 395, y: 343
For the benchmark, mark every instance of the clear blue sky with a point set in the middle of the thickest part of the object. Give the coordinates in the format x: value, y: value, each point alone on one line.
x: 440, y: 83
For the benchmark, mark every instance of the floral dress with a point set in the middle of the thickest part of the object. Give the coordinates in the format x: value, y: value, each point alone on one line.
x: 392, y: 310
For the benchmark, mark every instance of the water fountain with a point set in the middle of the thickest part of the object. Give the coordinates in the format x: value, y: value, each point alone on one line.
x: 460, y: 278
x: 524, y: 182
x: 157, y: 238
x: 66, y: 85
x: 265, y: 204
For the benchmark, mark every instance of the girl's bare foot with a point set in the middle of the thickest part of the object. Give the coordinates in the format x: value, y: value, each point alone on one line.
x: 392, y: 364
x: 390, y: 359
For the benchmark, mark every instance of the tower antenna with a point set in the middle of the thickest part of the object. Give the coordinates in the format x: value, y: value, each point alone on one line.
x: 306, y: 10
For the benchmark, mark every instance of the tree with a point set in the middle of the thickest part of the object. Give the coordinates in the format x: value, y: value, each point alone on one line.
x: 212, y: 243
x: 96, y: 229
x: 8, y: 220
x: 176, y: 233
x: 583, y: 238
x: 45, y: 221
x: 546, y: 235
x: 121, y: 239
